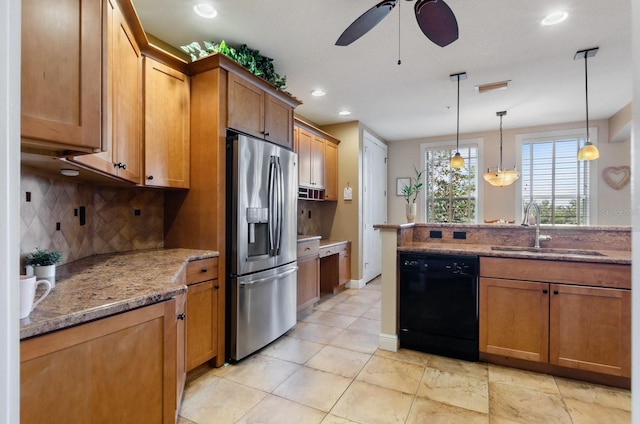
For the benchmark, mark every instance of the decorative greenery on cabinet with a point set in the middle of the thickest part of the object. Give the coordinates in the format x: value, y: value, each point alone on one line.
x: 250, y: 59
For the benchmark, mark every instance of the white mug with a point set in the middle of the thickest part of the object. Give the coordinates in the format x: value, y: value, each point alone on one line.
x: 28, y: 285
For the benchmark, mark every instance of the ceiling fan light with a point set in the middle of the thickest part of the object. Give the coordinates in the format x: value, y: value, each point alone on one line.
x: 588, y: 152
x: 205, y: 10
x: 457, y: 161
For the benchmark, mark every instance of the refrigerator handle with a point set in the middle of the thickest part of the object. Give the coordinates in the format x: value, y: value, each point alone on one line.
x: 272, y: 205
x: 280, y: 205
x: 270, y: 278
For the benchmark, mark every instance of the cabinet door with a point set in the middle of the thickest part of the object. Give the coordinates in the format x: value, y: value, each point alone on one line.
x: 308, y: 281
x: 330, y: 171
x: 117, y: 369
x: 202, y: 323
x: 181, y: 359
x: 61, y: 77
x: 304, y: 158
x: 514, y: 319
x: 122, y: 142
x: 278, y: 121
x: 245, y: 106
x: 167, y: 116
x: 590, y: 329
x: 317, y: 162
x: 344, y: 265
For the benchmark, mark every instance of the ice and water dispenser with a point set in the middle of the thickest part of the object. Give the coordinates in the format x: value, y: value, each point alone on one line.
x: 258, y: 240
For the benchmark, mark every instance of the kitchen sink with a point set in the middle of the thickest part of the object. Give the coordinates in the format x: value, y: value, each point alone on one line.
x: 552, y: 250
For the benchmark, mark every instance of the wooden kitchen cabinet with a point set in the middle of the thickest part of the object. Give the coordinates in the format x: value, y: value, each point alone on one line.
x: 310, y: 160
x: 181, y: 358
x: 117, y: 369
x: 344, y: 265
x: 330, y: 171
x: 254, y: 111
x: 308, y: 274
x: 569, y: 314
x: 166, y: 126
x: 61, y: 75
x: 202, y: 312
x: 122, y: 141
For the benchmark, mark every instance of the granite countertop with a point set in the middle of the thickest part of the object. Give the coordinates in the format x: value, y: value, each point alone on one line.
x: 102, y: 285
x: 332, y: 243
x: 304, y: 237
x: 553, y: 254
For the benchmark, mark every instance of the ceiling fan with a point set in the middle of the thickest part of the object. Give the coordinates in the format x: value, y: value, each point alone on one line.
x: 435, y: 19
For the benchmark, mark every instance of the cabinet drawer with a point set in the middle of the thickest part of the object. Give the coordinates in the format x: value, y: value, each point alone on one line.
x: 333, y: 250
x: 309, y: 247
x: 202, y: 270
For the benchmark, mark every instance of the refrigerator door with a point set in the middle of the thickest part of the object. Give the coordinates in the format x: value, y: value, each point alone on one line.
x: 263, y: 198
x: 264, y: 307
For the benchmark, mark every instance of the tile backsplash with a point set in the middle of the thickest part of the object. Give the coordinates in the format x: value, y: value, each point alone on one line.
x: 117, y: 219
x: 309, y: 217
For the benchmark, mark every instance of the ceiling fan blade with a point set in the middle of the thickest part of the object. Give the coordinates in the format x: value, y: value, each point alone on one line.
x: 366, y: 22
x: 437, y: 21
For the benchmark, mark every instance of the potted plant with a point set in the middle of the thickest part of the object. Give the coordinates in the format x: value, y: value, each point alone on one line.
x: 44, y: 263
x: 410, y: 193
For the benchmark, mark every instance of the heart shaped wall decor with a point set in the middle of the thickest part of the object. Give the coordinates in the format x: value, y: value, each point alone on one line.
x: 616, y: 176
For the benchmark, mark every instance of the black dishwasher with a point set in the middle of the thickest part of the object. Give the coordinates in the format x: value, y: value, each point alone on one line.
x: 439, y: 304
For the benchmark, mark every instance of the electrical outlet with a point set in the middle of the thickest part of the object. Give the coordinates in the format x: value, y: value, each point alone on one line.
x: 83, y: 215
x: 435, y: 234
x: 57, y: 226
x: 461, y: 235
x: 136, y: 212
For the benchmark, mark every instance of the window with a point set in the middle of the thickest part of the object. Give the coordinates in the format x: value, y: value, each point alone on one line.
x: 450, y: 195
x: 553, y: 177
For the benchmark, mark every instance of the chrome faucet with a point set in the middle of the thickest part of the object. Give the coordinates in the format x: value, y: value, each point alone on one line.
x: 525, y: 221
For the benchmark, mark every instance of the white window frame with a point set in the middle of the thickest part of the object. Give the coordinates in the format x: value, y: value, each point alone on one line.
x: 523, y: 138
x: 469, y: 142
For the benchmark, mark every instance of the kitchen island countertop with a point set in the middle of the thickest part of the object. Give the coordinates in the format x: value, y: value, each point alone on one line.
x: 103, y: 285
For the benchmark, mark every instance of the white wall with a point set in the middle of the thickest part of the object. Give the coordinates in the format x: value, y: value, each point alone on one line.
x: 9, y: 210
x: 614, y: 206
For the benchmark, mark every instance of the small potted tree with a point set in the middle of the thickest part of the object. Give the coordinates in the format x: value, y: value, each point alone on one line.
x: 44, y: 263
x: 410, y: 193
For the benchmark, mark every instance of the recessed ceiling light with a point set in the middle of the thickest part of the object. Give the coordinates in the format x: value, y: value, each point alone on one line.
x: 344, y: 113
x: 318, y: 93
x: 554, y: 18
x: 205, y: 10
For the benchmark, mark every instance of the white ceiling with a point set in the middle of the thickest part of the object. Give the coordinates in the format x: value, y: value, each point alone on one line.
x: 499, y: 40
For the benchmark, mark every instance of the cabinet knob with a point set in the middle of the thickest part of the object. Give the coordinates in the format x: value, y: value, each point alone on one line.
x: 182, y: 316
x: 555, y: 292
x: 545, y: 291
x: 124, y: 166
x: 265, y: 133
x: 204, y: 270
x: 217, y: 286
x: 150, y: 177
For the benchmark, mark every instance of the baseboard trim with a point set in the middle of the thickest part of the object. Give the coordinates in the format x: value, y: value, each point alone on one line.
x: 355, y: 284
x: 388, y: 342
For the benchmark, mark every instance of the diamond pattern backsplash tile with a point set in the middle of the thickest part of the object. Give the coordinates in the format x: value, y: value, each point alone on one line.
x: 118, y: 219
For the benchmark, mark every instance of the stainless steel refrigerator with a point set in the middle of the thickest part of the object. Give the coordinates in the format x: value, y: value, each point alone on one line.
x: 262, y: 184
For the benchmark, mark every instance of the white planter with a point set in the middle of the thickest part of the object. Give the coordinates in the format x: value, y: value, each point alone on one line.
x: 47, y: 272
x: 411, y: 212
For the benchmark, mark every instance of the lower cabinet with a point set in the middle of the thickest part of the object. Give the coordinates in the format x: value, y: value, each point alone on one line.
x: 117, y: 369
x: 579, y: 323
x: 335, y: 267
x: 202, y: 312
x: 308, y: 274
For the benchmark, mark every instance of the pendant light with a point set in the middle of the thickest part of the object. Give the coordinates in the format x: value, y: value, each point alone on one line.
x: 500, y: 177
x: 589, y: 151
x: 457, y: 161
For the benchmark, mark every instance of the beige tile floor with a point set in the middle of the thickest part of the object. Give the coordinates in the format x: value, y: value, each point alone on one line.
x: 328, y: 370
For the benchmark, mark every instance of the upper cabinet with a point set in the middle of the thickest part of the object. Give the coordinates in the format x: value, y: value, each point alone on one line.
x: 122, y: 140
x: 256, y: 112
x: 317, y: 163
x: 61, y: 78
x: 166, y: 126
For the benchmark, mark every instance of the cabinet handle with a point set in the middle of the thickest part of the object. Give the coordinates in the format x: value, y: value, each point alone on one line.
x: 204, y: 270
x: 124, y: 166
x: 555, y: 292
x: 150, y: 177
x: 265, y: 133
x: 545, y: 291
x: 216, y: 286
x: 307, y: 248
x: 182, y: 316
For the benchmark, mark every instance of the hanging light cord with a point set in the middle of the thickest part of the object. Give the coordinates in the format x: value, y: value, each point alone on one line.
x: 458, y: 119
x: 500, y: 166
x: 586, y: 92
x: 399, y: 16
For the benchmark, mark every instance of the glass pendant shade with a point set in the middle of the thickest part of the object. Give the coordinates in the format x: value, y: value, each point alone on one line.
x: 457, y: 161
x: 588, y: 152
x: 500, y: 177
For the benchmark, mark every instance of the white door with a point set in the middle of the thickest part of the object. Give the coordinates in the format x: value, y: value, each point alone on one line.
x: 374, y: 204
